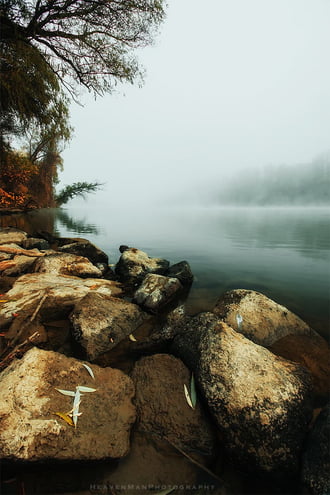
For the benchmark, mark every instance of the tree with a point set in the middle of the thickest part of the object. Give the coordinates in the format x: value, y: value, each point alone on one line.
x: 76, y: 189
x: 16, y: 173
x: 29, y: 89
x: 88, y: 42
x: 48, y: 46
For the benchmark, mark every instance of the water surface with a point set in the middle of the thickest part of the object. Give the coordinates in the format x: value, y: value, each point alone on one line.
x: 282, y: 252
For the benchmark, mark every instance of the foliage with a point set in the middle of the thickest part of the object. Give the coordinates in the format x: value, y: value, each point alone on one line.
x: 15, y: 175
x: 89, y: 42
x: 48, y: 46
x: 29, y: 88
x: 76, y: 189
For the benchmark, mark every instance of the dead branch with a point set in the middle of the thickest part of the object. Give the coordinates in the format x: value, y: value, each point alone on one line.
x: 19, y: 350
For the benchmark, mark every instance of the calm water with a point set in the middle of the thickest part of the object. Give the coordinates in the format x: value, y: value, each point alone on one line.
x: 283, y: 253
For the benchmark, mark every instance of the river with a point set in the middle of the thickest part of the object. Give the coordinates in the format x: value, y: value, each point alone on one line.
x: 281, y: 252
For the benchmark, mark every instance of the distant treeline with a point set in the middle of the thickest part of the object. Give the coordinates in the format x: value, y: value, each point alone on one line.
x: 277, y: 185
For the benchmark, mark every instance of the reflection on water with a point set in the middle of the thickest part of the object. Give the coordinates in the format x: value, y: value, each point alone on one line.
x: 74, y: 225
x: 283, y: 253
x: 31, y: 222
x: 53, y: 220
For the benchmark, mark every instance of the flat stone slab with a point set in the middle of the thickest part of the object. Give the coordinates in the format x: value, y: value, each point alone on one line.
x: 59, y: 294
x: 30, y: 429
x: 67, y: 264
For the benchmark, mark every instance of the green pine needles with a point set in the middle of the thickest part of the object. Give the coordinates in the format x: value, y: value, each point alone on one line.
x: 76, y: 189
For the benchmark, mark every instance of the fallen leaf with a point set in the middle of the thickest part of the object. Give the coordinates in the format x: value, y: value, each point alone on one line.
x: 92, y: 287
x: 90, y: 371
x: 76, y: 404
x: 193, y: 394
x: 65, y: 392
x: 186, y: 393
x: 15, y: 315
x: 132, y: 338
x: 65, y: 417
x: 83, y: 389
x: 3, y: 300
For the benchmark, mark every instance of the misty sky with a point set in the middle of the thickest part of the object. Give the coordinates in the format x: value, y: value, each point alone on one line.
x: 230, y: 84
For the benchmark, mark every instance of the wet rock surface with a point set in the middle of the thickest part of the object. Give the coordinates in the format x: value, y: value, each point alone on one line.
x: 30, y: 429
x: 156, y: 291
x: 181, y: 271
x: 134, y: 264
x: 258, y: 318
x: 83, y: 247
x: 100, y: 323
x: 33, y: 242
x: 316, y: 457
x: 261, y: 403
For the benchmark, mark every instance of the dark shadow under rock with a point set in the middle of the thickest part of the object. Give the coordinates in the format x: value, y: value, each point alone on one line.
x: 316, y: 457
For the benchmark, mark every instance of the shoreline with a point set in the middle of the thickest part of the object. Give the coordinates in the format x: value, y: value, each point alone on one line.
x: 68, y: 307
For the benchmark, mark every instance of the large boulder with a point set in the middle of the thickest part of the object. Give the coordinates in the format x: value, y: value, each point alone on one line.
x: 261, y: 403
x: 162, y: 407
x: 55, y: 295
x: 83, y: 247
x: 30, y: 429
x: 156, y: 291
x: 182, y: 271
x: 100, y: 322
x: 310, y: 351
x: 9, y: 235
x: 316, y: 457
x: 134, y: 264
x: 258, y: 318
x: 67, y: 264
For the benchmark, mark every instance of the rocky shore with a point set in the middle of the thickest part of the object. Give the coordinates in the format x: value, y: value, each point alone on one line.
x: 100, y: 364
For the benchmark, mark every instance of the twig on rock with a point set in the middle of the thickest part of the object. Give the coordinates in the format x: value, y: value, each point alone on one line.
x: 198, y: 464
x: 19, y: 350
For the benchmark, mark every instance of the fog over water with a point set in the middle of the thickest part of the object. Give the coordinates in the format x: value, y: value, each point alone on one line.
x: 230, y: 87
x: 235, y: 111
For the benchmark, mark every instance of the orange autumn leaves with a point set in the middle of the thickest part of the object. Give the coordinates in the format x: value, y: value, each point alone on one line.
x: 16, y: 173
